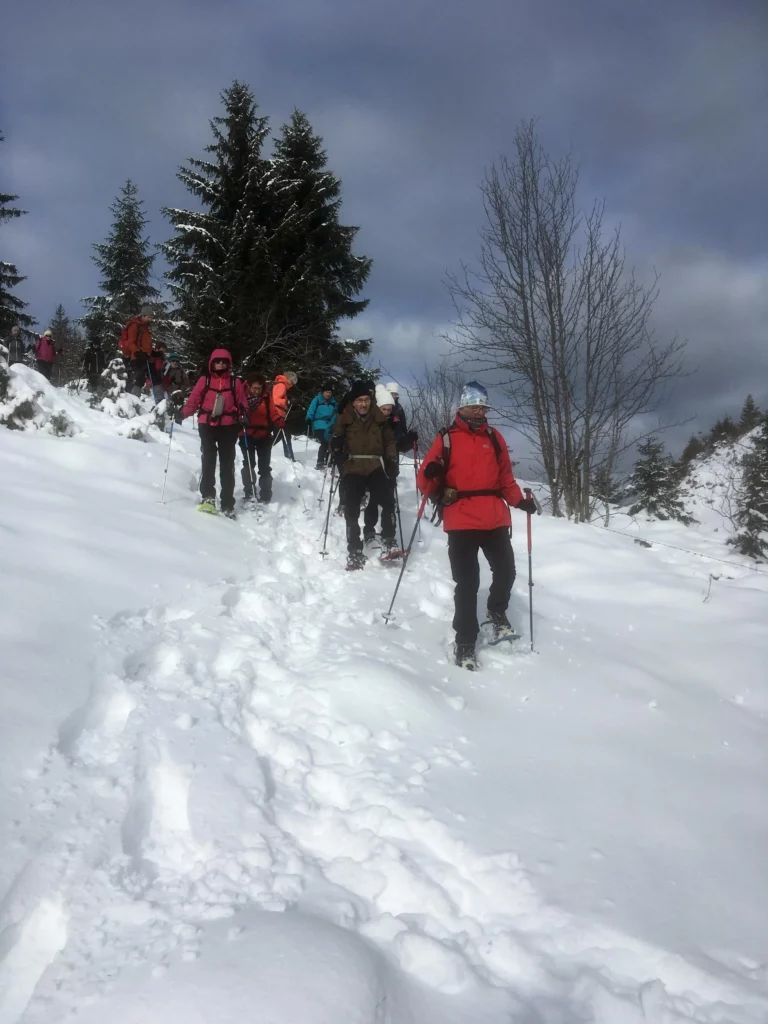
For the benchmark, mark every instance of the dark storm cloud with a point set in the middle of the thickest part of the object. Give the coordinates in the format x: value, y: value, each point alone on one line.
x: 664, y: 105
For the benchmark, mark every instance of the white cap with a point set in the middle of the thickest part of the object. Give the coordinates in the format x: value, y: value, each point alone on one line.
x: 393, y: 387
x: 383, y: 396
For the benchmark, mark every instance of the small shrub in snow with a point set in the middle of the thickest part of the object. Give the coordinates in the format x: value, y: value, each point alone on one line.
x: 61, y: 425
x: 23, y: 412
x: 5, y: 381
x: 655, y: 486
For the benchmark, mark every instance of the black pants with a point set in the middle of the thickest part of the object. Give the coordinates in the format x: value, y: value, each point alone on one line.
x: 44, y: 367
x: 463, y: 547
x: 137, y: 375
x: 286, y: 436
x: 221, y: 441
x: 322, y: 452
x: 261, y: 449
x: 382, y: 493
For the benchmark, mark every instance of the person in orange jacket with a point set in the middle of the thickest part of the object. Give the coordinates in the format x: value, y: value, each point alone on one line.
x: 281, y: 403
x: 135, y: 345
x: 469, y: 463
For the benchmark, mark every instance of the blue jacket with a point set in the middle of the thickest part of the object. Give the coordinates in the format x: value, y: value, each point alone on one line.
x: 321, y: 415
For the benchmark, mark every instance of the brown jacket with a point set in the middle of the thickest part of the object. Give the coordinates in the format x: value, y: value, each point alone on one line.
x: 365, y: 437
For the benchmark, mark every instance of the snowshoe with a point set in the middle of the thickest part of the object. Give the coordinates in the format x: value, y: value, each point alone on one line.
x: 356, y: 560
x: 390, y: 551
x: 229, y: 513
x: 501, y: 627
x: 464, y: 655
x: 209, y: 506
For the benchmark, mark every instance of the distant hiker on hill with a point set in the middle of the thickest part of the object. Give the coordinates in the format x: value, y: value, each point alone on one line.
x: 45, y: 354
x: 281, y: 404
x: 16, y: 347
x: 177, y: 384
x: 94, y: 363
x: 321, y: 415
x: 468, y: 470
x: 156, y: 371
x: 363, y: 437
x: 404, y: 438
x: 256, y: 438
x: 222, y: 402
x: 135, y: 346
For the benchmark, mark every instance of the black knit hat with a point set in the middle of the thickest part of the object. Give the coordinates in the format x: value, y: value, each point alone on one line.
x: 360, y: 388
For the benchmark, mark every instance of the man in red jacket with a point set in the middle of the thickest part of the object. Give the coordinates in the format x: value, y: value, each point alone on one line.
x: 469, y: 463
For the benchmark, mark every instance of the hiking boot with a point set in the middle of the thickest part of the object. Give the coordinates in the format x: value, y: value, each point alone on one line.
x: 501, y: 625
x: 369, y: 536
x: 229, y: 513
x: 464, y: 655
x: 388, y: 543
x: 356, y: 560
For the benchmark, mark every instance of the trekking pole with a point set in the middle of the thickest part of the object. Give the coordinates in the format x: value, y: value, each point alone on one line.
x: 416, y: 476
x: 399, y: 517
x: 331, y: 493
x: 248, y: 462
x: 167, y: 464
x: 322, y: 488
x: 529, y: 494
x: 388, y: 614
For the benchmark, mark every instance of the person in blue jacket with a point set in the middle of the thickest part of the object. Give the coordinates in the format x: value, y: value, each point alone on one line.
x: 321, y: 415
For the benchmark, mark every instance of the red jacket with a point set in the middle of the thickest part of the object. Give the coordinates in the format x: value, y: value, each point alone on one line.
x: 474, y: 466
x: 204, y: 395
x: 44, y: 349
x: 260, y: 418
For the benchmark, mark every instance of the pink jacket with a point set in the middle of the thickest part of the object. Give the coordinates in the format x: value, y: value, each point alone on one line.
x: 45, y: 350
x: 204, y: 395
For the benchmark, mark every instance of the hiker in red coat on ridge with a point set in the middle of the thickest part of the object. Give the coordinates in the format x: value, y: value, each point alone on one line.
x: 222, y: 402
x: 468, y: 466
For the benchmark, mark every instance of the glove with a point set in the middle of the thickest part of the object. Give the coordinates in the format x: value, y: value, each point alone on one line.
x: 527, y: 505
x: 433, y: 471
x: 392, y: 468
x: 279, y: 422
x: 177, y: 417
x: 338, y: 444
x: 412, y: 437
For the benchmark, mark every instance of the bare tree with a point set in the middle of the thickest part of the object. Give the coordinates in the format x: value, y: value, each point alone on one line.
x: 563, y: 329
x: 433, y: 400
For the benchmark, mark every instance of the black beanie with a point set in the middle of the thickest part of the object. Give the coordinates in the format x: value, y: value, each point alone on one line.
x: 358, y: 389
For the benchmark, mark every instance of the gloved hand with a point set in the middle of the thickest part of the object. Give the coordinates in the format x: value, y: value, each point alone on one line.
x: 338, y: 444
x: 279, y: 422
x: 412, y: 437
x: 527, y: 505
x: 392, y: 468
x: 177, y: 417
x: 433, y: 471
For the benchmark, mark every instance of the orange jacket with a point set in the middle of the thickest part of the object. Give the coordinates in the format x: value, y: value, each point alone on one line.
x: 279, y: 396
x: 135, y: 339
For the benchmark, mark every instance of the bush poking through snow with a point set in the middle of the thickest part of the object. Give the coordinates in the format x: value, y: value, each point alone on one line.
x: 61, y: 425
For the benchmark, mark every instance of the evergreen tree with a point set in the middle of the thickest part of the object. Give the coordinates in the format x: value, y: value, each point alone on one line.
x: 11, y: 307
x: 654, y: 484
x: 751, y: 416
x: 218, y: 254
x: 723, y: 432
x: 752, y: 515
x: 70, y: 345
x: 125, y: 260
x: 695, y: 447
x: 319, y: 276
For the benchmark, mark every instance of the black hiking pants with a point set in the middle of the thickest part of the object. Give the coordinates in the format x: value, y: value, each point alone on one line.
x: 44, y: 367
x: 257, y: 449
x: 382, y: 493
x: 463, y: 548
x: 219, y: 441
x: 137, y: 375
x: 322, y: 452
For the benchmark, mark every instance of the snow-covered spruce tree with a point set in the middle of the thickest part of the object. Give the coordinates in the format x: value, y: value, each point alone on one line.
x: 752, y: 500
x: 218, y: 262
x: 70, y: 344
x: 11, y: 306
x: 125, y: 261
x: 751, y: 416
x: 654, y: 484
x: 317, y: 275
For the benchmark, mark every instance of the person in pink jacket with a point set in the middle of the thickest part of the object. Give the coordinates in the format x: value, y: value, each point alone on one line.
x: 219, y: 398
x: 45, y: 354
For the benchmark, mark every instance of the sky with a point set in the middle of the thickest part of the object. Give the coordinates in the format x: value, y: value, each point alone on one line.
x: 663, y: 104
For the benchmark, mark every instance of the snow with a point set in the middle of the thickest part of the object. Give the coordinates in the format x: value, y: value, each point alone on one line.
x: 231, y: 792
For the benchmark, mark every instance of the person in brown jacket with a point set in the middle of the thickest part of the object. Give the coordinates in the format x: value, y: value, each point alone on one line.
x: 363, y: 436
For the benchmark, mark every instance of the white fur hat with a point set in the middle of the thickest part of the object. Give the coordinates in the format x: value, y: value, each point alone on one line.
x: 383, y: 397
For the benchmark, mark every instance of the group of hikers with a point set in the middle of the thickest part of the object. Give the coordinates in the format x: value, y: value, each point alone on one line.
x: 466, y: 472
x: 44, y: 350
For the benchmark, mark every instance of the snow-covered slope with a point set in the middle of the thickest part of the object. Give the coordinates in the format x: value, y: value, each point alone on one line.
x: 232, y: 793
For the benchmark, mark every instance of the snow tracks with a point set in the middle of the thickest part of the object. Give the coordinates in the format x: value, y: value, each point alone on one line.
x: 260, y: 748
